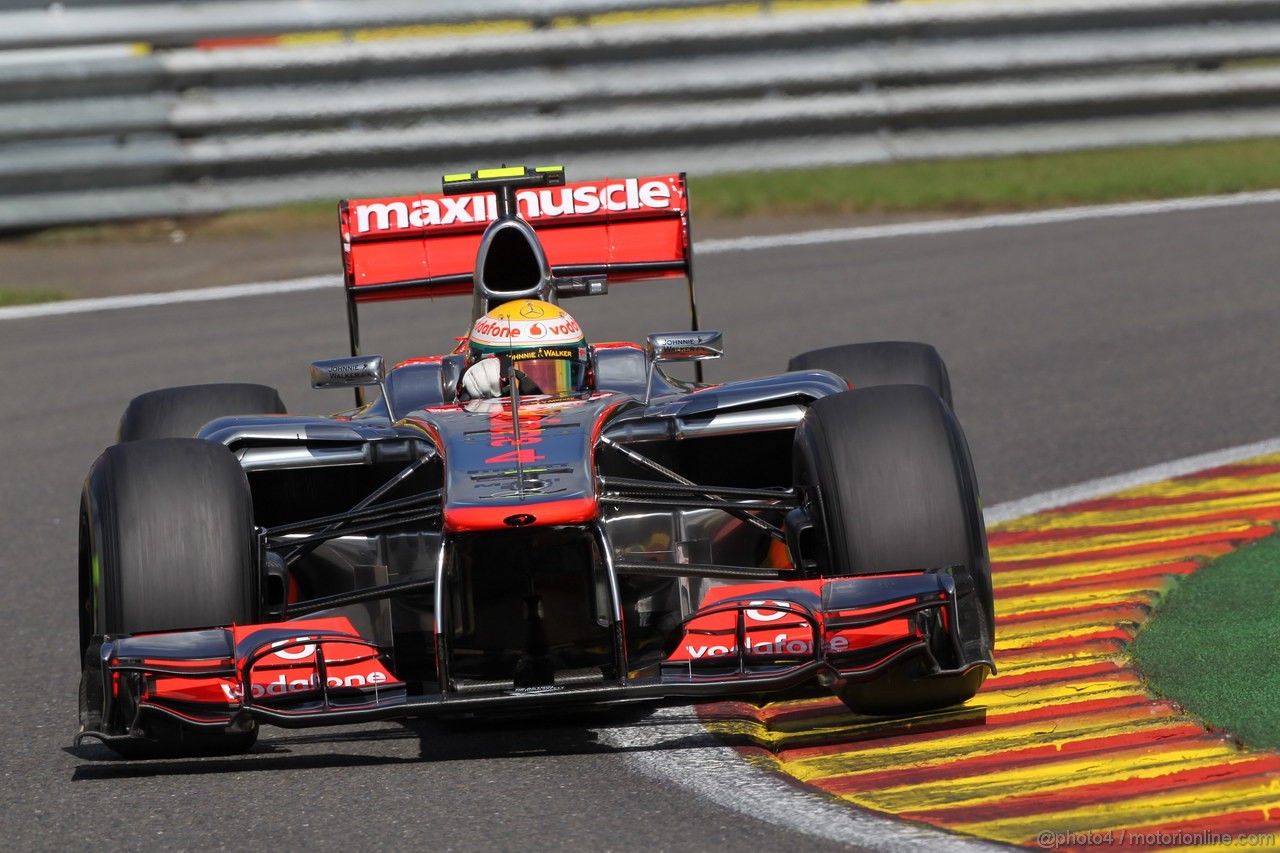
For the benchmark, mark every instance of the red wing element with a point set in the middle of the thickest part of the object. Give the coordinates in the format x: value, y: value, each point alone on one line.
x: 425, y: 245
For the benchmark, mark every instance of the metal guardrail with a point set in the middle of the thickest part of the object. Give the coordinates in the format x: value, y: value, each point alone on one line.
x: 178, y: 24
x: 88, y: 132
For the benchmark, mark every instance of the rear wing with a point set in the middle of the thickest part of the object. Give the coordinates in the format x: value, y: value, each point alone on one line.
x: 425, y: 245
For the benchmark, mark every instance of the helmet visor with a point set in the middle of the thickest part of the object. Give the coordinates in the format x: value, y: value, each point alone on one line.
x: 554, y: 376
x: 552, y: 370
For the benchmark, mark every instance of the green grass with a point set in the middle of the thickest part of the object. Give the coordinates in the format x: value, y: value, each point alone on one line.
x: 1006, y: 183
x: 302, y: 216
x: 10, y: 298
x: 1214, y: 644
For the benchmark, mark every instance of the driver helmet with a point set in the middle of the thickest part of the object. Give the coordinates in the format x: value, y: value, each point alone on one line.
x: 540, y: 340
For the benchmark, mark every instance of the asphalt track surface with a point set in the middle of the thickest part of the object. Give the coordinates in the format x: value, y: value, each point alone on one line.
x: 1077, y: 350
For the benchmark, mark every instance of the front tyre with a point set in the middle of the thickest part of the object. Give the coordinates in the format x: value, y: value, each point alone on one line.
x: 167, y: 542
x: 889, y: 486
x: 180, y: 412
x: 881, y: 363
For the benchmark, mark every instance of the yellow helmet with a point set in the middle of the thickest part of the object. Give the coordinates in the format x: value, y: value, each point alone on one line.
x: 541, y: 341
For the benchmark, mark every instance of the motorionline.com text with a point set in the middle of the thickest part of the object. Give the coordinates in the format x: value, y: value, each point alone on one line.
x: 1050, y: 840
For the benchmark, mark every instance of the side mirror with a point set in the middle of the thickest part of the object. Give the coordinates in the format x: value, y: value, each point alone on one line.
x: 684, y: 346
x: 670, y: 347
x: 353, y: 372
x: 348, y: 372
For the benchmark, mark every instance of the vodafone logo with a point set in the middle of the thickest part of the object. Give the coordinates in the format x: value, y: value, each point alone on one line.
x: 488, y: 328
x: 580, y: 200
x: 490, y: 331
x: 282, y: 686
x: 781, y: 644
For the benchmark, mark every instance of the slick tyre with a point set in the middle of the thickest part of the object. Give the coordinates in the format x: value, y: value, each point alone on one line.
x: 888, y: 486
x: 167, y: 542
x: 180, y: 412
x: 881, y: 363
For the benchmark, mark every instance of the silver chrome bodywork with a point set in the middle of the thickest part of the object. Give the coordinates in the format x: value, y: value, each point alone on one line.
x: 285, y: 447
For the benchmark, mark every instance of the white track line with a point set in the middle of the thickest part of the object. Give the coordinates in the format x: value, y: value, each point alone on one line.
x: 697, y: 762
x: 984, y: 223
x: 142, y: 300
x: 704, y: 247
x: 1110, y: 485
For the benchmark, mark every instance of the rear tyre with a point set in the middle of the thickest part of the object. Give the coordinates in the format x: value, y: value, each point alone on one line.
x: 167, y: 543
x: 889, y: 486
x: 881, y: 363
x: 181, y: 412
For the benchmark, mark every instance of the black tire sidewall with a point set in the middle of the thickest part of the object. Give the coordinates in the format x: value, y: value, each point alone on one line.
x: 181, y: 411
x: 876, y: 363
x: 888, y: 482
x: 170, y: 525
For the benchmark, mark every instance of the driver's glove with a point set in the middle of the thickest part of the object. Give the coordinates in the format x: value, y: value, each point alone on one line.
x: 483, y: 379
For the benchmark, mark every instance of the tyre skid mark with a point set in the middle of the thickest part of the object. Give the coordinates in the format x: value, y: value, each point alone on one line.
x: 1066, y: 737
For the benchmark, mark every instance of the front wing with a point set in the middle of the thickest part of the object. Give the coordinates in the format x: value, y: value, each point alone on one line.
x: 321, y: 671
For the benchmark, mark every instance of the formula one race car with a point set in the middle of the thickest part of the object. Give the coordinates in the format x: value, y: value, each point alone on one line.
x: 628, y: 536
